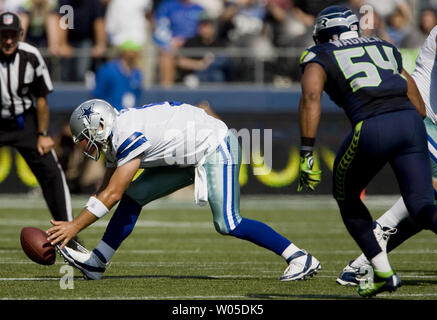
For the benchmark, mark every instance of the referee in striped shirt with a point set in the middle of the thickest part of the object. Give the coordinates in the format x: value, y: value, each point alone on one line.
x: 24, y: 113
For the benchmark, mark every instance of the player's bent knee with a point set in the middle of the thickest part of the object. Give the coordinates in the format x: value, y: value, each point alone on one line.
x: 221, y: 228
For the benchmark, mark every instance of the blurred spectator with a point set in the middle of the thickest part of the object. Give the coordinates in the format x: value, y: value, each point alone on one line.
x: 287, y: 28
x: 87, y: 34
x: 128, y: 20
x: 175, y: 21
x: 411, y: 36
x: 413, y: 41
x: 243, y: 20
x: 288, y: 31
x: 207, y: 67
x: 398, y: 27
x: 427, y: 21
x: 214, y: 8
x: 391, y: 19
x: 243, y: 25
x: 38, y: 18
x: 120, y: 81
x: 385, y: 8
x: 374, y: 25
x: 307, y: 11
x: 11, y: 5
x: 356, y: 6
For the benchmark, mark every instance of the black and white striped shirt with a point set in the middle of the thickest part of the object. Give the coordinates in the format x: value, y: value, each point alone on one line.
x: 23, y: 77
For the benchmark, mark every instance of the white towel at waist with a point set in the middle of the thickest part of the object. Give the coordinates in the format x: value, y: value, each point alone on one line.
x: 200, y: 185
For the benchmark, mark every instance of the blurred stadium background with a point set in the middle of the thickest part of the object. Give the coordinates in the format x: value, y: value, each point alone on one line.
x: 240, y: 57
x: 248, y: 74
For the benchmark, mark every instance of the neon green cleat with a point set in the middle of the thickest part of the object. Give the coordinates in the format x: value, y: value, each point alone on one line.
x: 382, y: 281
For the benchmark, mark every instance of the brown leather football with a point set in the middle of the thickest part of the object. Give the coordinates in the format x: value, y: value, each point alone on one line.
x: 37, y: 248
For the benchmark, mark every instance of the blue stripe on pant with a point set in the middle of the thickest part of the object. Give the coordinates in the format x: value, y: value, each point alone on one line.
x: 432, y: 149
x: 224, y: 199
x: 431, y: 130
x: 223, y: 186
x: 232, y: 183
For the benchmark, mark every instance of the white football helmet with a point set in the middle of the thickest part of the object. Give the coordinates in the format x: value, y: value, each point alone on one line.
x: 335, y: 22
x: 91, y: 124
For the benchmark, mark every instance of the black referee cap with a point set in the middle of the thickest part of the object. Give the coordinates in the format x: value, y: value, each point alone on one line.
x: 9, y: 21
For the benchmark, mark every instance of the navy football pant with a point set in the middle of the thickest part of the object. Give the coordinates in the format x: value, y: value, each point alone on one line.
x: 398, y: 138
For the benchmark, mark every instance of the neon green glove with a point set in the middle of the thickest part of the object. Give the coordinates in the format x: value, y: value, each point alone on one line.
x: 307, y: 176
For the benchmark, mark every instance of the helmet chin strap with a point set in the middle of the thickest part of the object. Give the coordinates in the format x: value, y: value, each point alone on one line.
x: 104, y: 147
x: 349, y: 35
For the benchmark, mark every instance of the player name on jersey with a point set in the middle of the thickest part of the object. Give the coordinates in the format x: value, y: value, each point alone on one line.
x: 346, y: 42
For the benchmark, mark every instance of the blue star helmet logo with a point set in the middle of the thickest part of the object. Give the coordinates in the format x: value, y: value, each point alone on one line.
x: 87, y: 111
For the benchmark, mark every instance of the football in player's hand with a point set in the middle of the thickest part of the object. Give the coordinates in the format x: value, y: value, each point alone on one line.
x: 36, y: 246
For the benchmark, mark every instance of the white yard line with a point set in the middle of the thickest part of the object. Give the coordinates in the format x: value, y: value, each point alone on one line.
x: 279, y: 202
x: 204, y: 251
x: 228, y: 276
x: 30, y: 279
x: 224, y: 297
x: 137, y: 298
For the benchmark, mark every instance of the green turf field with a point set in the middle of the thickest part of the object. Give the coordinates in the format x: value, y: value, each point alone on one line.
x: 175, y: 253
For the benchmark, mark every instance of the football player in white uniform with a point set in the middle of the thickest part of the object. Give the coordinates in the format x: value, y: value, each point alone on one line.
x: 395, y: 226
x: 177, y: 144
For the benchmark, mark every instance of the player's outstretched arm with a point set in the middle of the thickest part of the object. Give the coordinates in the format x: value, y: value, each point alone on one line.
x: 63, y: 231
x: 106, y: 178
x: 313, y: 81
x: 414, y: 94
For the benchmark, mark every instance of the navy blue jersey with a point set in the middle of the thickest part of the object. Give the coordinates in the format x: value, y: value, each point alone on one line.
x: 363, y: 76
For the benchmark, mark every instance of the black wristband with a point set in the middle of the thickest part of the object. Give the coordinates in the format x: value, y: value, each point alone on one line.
x: 43, y: 133
x: 307, y: 142
x: 306, y: 146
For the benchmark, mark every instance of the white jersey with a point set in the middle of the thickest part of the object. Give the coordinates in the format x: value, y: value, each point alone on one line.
x: 425, y: 74
x: 167, y: 133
